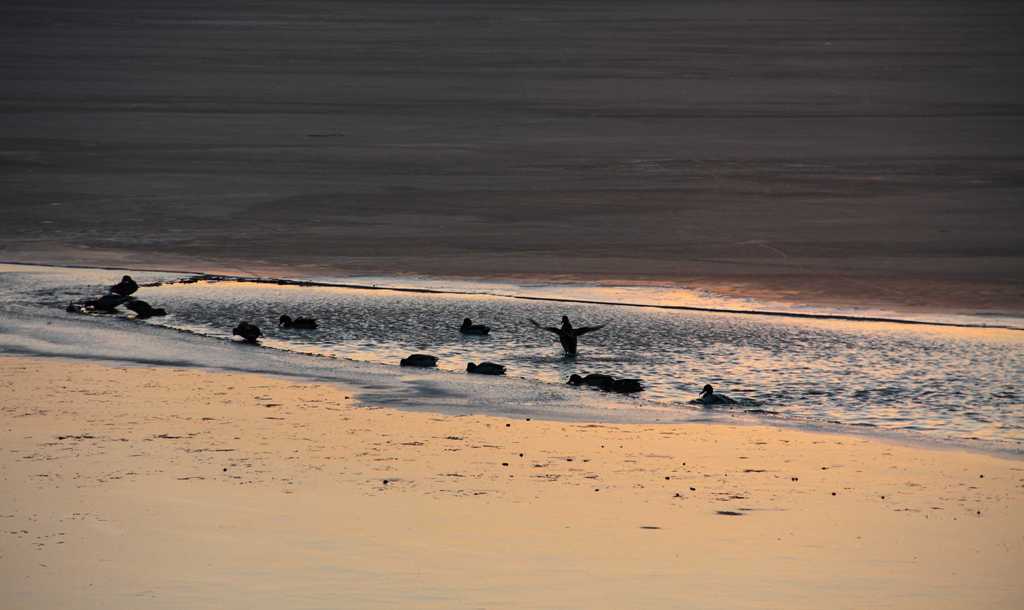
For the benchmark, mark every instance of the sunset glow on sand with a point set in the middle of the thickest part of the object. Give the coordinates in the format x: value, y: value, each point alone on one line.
x: 448, y: 305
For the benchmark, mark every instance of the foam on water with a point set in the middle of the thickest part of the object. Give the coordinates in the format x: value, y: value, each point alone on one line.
x: 960, y: 384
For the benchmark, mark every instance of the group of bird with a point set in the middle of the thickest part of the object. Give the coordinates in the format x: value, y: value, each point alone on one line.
x: 117, y: 295
x: 568, y: 336
x: 121, y: 294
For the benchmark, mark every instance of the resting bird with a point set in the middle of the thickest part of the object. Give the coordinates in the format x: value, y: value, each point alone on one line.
x: 143, y: 309
x: 468, y: 328
x: 485, y: 368
x: 107, y: 303
x: 567, y: 335
x: 125, y: 287
x: 286, y: 321
x: 708, y: 397
x: 421, y: 360
x: 249, y: 332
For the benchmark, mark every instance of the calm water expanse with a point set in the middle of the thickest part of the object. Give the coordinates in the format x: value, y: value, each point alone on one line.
x: 949, y: 383
x: 855, y: 141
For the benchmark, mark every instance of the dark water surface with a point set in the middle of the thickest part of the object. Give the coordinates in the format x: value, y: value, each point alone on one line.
x: 600, y: 138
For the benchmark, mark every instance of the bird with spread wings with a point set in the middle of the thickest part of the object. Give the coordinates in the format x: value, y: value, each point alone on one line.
x: 567, y: 335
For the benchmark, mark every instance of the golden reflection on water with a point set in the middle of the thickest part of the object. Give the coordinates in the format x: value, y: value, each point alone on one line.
x: 669, y: 298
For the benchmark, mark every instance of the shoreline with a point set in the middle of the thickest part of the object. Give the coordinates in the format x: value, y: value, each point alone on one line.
x: 811, y: 286
x: 655, y: 414
x: 192, y: 488
x: 177, y: 345
x: 289, y: 281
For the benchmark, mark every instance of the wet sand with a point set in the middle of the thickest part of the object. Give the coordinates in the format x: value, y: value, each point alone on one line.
x: 864, y: 153
x: 132, y: 487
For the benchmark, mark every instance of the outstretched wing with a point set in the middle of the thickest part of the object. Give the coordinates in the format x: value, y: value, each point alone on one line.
x: 587, y: 329
x: 550, y: 329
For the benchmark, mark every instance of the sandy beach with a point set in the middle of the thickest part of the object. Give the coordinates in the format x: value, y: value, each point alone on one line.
x: 816, y: 207
x: 158, y: 487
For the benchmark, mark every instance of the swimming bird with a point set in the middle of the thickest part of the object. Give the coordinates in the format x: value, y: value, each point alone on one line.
x: 249, y: 332
x: 567, y: 335
x: 468, y: 328
x: 420, y: 360
x: 125, y: 287
x: 286, y: 321
x: 627, y: 386
x: 708, y: 397
x: 607, y: 383
x: 594, y: 379
x: 144, y: 310
x: 485, y: 368
x: 73, y: 308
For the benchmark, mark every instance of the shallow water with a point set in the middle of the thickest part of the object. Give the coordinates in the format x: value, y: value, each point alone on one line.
x: 949, y: 383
